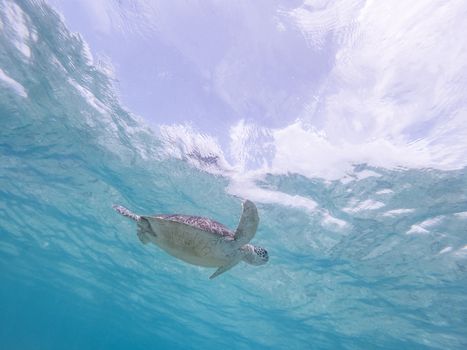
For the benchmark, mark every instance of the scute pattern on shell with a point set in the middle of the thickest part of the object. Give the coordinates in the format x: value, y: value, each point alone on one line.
x: 201, y: 223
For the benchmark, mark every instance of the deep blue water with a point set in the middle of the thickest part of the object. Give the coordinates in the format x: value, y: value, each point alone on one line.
x: 75, y: 276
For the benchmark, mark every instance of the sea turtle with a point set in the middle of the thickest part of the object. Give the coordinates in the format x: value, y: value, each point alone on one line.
x: 202, y: 241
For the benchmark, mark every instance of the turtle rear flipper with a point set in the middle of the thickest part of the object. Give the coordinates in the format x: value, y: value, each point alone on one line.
x: 144, y: 230
x: 126, y: 212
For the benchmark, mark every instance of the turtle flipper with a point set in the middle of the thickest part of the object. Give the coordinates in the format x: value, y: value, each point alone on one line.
x: 224, y: 268
x: 248, y: 224
x: 126, y: 212
x: 143, y: 231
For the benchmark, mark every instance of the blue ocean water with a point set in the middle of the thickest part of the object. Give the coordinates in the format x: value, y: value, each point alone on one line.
x: 74, y: 275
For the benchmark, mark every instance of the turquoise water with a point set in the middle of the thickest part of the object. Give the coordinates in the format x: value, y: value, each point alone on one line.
x: 382, y: 263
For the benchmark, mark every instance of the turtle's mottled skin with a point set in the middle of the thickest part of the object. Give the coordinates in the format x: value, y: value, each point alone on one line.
x: 202, y: 241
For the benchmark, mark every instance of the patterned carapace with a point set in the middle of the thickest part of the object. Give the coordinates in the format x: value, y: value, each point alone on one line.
x: 202, y: 223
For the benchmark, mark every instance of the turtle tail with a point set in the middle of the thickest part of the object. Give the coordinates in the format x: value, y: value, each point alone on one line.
x: 125, y: 212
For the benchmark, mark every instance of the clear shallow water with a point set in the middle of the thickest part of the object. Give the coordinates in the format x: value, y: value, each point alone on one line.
x: 380, y: 262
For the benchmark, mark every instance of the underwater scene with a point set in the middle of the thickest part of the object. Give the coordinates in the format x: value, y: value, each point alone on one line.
x: 361, y: 194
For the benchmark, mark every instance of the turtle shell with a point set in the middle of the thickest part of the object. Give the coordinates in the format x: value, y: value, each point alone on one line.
x: 201, y: 223
x: 196, y: 240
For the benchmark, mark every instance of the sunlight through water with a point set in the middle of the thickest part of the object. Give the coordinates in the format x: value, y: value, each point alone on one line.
x: 362, y: 196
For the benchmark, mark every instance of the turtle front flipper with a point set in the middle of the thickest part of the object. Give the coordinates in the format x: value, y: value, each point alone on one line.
x: 248, y: 224
x: 224, y: 268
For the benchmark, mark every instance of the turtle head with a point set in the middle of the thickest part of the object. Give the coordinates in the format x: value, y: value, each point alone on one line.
x: 254, y: 255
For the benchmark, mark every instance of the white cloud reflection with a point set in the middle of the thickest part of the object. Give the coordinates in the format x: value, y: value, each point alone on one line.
x: 312, y: 88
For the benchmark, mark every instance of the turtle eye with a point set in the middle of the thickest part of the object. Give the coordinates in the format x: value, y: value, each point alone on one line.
x: 261, y: 252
